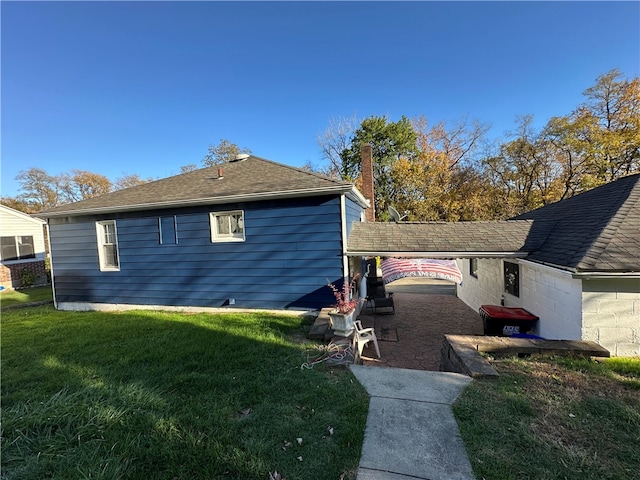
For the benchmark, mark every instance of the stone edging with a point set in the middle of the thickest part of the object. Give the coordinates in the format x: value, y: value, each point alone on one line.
x: 461, y: 353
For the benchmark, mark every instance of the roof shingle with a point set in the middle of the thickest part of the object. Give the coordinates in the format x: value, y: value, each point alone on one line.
x: 438, y: 238
x: 595, y: 231
x: 250, y: 179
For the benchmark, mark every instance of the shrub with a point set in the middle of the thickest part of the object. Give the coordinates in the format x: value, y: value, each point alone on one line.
x: 27, y: 277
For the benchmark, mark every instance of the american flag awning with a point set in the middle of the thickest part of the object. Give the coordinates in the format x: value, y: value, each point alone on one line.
x: 396, y: 268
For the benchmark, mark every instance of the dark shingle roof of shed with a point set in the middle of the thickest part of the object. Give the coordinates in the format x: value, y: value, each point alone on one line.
x: 438, y: 238
x: 250, y: 179
x: 595, y: 231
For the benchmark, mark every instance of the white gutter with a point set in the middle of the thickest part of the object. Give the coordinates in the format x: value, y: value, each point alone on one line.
x: 583, y: 275
x: 436, y: 254
x: 597, y: 275
x: 355, y: 195
x: 343, y: 229
x: 308, y: 192
x: 53, y: 282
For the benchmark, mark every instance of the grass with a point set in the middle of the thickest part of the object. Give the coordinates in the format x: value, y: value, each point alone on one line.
x: 11, y: 298
x: 555, y: 418
x: 165, y: 395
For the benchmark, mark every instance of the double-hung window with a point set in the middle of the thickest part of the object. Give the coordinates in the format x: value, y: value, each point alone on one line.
x: 108, y: 245
x: 227, y: 226
x: 17, y: 248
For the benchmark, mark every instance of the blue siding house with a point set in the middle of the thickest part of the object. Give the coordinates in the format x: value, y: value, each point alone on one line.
x: 250, y: 234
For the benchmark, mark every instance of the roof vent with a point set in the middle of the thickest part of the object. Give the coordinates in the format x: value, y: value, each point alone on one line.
x: 241, y: 157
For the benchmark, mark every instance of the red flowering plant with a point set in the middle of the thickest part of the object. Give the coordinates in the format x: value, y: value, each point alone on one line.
x: 344, y: 301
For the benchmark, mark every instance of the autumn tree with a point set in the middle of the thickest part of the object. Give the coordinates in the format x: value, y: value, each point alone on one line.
x: 39, y: 189
x: 82, y: 184
x: 441, y: 181
x: 16, y: 204
x: 600, y: 141
x: 223, y: 152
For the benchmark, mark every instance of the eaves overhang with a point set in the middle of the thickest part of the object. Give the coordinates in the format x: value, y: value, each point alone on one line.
x: 348, y: 189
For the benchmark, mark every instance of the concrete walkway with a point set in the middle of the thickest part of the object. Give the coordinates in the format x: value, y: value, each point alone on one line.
x: 411, y: 432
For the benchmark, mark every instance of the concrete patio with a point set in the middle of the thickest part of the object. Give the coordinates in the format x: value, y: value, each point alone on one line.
x: 425, y: 310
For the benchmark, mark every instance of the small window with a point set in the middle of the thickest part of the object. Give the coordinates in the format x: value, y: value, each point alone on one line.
x: 512, y: 278
x: 108, y: 245
x: 167, y: 227
x: 227, y: 227
x: 17, y: 248
x: 473, y: 267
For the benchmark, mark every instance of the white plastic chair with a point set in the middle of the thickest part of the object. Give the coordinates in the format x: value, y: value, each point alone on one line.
x: 362, y: 336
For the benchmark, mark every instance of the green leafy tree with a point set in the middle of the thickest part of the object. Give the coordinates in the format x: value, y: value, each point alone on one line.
x: 389, y: 141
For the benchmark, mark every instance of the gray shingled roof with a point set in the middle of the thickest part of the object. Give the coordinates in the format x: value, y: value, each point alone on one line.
x: 596, y: 231
x: 438, y: 239
x: 251, y: 179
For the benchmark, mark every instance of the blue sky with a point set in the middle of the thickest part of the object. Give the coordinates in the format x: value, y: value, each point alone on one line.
x: 144, y: 87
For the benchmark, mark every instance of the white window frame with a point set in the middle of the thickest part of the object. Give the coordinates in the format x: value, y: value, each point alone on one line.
x: 100, y: 233
x: 217, y: 217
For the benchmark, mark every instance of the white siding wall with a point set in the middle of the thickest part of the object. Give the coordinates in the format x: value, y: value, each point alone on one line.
x: 14, y: 223
x: 611, y: 314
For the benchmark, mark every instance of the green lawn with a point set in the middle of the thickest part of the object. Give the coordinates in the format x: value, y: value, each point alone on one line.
x: 559, y: 418
x: 10, y: 298
x: 165, y: 395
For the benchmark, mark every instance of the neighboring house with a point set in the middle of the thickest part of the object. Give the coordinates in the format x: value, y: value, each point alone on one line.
x: 575, y: 263
x: 247, y: 234
x: 22, y: 248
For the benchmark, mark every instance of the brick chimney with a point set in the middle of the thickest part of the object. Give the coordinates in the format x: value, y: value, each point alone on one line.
x: 366, y: 169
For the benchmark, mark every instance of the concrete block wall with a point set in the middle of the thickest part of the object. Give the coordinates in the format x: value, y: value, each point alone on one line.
x: 611, y: 314
x: 548, y: 293
x: 555, y: 297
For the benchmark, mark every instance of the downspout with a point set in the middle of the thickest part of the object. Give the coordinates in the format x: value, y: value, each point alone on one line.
x: 53, y: 287
x: 343, y: 229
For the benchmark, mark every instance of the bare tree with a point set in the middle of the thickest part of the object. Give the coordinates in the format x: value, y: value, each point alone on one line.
x: 223, y: 152
x: 127, y: 181
x: 335, y: 140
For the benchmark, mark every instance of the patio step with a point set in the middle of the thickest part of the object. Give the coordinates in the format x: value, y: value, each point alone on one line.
x: 321, y: 328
